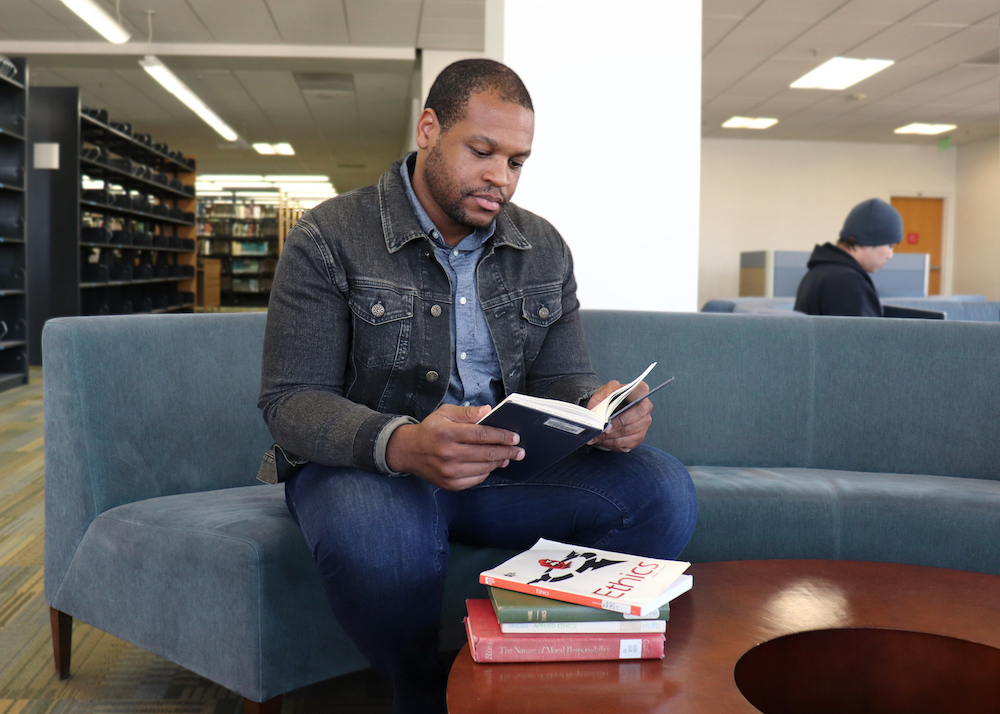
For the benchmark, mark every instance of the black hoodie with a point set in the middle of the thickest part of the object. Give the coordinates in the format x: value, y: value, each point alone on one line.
x: 836, y: 284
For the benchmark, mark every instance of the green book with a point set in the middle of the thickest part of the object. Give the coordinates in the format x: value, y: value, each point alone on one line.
x: 512, y: 607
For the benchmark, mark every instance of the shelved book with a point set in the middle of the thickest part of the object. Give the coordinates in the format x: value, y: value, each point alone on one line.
x: 519, y: 612
x: 551, y: 429
x: 488, y: 644
x: 589, y: 576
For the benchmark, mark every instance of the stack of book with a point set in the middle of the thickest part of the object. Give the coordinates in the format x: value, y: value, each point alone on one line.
x: 558, y: 602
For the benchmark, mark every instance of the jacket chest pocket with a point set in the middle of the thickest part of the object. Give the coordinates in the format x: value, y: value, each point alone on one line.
x: 383, y: 322
x: 538, y: 312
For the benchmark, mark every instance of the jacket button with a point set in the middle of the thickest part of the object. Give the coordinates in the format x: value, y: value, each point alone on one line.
x: 432, y: 376
x: 435, y: 311
x: 378, y: 309
x: 543, y: 312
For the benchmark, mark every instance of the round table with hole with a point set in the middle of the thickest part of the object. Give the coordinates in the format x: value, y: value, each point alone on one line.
x: 782, y: 637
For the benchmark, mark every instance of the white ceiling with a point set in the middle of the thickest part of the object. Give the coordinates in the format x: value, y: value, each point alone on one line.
x: 336, y: 78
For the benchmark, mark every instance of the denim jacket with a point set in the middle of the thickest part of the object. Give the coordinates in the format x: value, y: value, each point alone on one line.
x: 358, y: 334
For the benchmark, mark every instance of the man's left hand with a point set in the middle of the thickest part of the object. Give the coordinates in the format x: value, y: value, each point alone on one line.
x: 628, y: 430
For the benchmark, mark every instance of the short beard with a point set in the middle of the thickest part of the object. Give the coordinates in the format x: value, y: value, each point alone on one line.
x: 448, y: 195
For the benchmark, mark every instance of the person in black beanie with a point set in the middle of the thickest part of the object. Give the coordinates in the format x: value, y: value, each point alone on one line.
x: 838, y: 282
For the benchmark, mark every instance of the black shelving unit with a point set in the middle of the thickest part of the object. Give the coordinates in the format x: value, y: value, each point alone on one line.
x: 246, y: 245
x: 13, y: 228
x: 119, y: 235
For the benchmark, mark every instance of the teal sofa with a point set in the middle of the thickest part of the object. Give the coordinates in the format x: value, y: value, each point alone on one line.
x: 806, y: 438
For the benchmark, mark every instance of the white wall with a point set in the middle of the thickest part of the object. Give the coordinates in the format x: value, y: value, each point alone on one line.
x: 791, y: 195
x: 977, y: 219
x: 615, y: 161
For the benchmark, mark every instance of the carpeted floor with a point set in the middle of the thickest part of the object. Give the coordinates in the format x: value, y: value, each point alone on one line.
x: 108, y: 674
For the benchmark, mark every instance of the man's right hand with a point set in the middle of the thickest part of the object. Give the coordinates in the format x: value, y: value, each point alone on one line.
x: 450, y: 450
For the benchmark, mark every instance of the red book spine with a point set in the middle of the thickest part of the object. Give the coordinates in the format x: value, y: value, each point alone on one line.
x: 488, y: 644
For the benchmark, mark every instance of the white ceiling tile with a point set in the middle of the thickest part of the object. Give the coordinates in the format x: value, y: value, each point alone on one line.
x: 898, y: 42
x: 713, y: 29
x: 964, y: 45
x: 247, y: 21
x: 887, y: 11
x: 830, y: 39
x: 952, y: 12
x: 383, y: 23
x: 308, y: 22
x: 809, y: 10
x: 172, y: 22
x: 728, y: 8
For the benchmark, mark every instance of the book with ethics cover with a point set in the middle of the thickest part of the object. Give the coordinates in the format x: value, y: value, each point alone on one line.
x: 589, y: 576
x: 488, y: 644
x: 551, y: 429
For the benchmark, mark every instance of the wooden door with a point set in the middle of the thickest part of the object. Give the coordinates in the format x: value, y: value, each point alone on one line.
x: 923, y: 219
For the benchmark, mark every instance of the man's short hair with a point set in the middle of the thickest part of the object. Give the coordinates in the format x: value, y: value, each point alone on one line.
x: 449, y: 95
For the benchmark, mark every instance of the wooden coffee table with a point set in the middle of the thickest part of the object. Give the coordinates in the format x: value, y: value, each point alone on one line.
x: 840, y: 636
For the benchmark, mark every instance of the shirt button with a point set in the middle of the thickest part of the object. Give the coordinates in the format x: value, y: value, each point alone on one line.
x: 432, y: 376
x: 543, y: 312
x: 435, y: 311
x: 454, y: 253
x: 467, y: 404
x: 462, y: 355
x: 378, y: 309
x: 463, y: 301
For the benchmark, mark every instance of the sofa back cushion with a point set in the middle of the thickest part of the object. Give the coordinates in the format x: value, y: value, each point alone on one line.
x: 900, y: 396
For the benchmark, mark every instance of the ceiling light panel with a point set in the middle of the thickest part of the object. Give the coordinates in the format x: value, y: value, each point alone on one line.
x: 927, y: 129
x: 749, y: 123
x: 840, y: 73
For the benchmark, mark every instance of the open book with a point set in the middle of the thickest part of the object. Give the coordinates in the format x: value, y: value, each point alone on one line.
x: 550, y: 429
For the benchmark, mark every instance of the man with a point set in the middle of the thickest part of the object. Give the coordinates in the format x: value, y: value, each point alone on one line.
x: 837, y: 282
x: 399, y: 312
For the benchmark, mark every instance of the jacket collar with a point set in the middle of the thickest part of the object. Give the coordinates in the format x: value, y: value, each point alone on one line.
x: 400, y: 225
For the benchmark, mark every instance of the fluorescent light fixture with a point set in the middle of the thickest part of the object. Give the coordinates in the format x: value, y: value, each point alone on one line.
x: 293, y: 187
x: 230, y: 177
x: 162, y: 74
x: 278, y: 178
x: 91, y: 13
x: 840, y: 73
x: 929, y: 129
x: 749, y: 123
x: 285, y: 149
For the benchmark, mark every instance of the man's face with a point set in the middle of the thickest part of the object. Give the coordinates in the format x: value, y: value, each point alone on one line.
x: 873, y: 257
x: 469, y: 172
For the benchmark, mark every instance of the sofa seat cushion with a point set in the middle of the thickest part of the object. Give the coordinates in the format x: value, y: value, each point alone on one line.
x: 753, y: 513
x: 227, y: 565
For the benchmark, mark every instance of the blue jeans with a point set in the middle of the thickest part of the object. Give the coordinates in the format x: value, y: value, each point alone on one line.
x: 381, y: 543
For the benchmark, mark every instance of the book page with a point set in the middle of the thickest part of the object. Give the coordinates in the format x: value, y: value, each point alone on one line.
x: 606, y: 408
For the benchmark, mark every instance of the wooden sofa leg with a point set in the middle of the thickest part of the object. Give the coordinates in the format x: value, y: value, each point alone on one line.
x: 271, y: 706
x: 62, y: 640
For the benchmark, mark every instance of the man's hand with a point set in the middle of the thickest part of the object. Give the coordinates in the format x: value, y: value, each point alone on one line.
x: 450, y: 450
x: 628, y: 430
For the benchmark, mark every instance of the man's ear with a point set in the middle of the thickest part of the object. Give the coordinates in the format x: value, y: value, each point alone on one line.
x: 428, y: 129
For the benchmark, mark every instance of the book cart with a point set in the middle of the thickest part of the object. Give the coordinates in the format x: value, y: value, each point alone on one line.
x: 13, y: 215
x: 119, y: 230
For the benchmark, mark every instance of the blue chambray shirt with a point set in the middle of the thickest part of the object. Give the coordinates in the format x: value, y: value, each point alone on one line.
x: 474, y: 362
